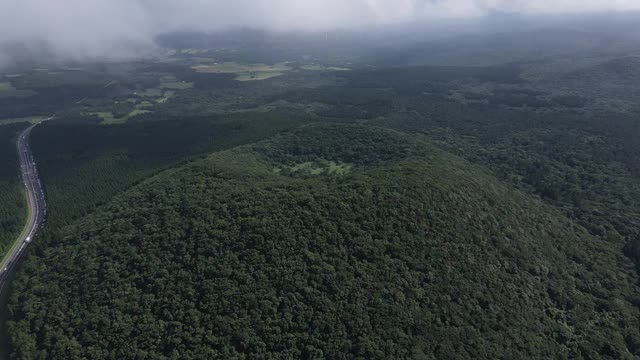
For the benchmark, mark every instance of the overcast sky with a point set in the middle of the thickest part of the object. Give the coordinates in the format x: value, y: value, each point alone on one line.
x: 95, y: 28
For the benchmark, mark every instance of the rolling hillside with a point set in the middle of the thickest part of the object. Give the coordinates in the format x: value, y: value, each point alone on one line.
x: 336, y: 241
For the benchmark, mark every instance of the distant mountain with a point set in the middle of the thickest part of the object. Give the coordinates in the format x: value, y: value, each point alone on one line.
x: 610, y: 80
x: 503, y: 38
x: 519, y: 46
x: 623, y: 71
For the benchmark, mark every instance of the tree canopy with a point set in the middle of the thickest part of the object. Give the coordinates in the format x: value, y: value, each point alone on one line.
x: 363, y: 243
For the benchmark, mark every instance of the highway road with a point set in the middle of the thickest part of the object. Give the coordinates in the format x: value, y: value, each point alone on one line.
x: 36, y: 202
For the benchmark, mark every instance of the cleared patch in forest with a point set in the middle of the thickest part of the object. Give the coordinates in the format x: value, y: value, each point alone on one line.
x: 318, y: 67
x: 109, y: 119
x: 245, y: 72
x: 321, y: 167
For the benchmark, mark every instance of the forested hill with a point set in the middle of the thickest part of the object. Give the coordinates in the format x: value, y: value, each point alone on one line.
x: 334, y: 241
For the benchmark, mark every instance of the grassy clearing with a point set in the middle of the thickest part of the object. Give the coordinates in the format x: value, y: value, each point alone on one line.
x: 227, y: 67
x: 108, y: 118
x: 138, y: 112
x: 317, y: 67
x: 257, y: 76
x: 193, y: 51
x: 245, y: 72
x: 167, y: 88
x: 338, y: 169
x: 176, y: 85
x: 167, y: 95
x: 317, y: 168
x: 144, y: 105
x: 153, y: 92
x: 158, y: 95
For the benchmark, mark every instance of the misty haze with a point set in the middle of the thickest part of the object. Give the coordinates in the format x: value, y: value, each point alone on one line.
x: 355, y: 179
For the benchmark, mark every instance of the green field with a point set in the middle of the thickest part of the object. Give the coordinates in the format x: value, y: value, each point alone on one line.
x: 169, y: 84
x: 256, y: 76
x: 144, y: 105
x: 167, y: 95
x: 318, y: 67
x: 318, y: 167
x: 109, y: 119
x: 193, y: 51
x: 245, y: 72
x: 152, y: 92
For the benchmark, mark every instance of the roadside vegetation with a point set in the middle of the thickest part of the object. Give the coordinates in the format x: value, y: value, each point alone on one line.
x: 13, y: 212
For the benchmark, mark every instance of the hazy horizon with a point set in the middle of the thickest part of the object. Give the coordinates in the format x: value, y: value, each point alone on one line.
x: 121, y: 29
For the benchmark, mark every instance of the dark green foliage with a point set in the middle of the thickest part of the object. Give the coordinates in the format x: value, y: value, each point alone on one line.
x: 43, y: 104
x: 84, y: 164
x: 368, y: 94
x: 412, y: 254
x: 621, y: 71
x: 518, y: 100
x: 335, y: 241
x: 410, y: 76
x: 572, y: 101
x: 357, y: 145
x: 121, y: 109
x: 585, y: 164
x: 211, y: 81
x: 12, y: 201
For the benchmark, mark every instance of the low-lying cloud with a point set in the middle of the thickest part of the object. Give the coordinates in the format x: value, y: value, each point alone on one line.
x: 77, y: 29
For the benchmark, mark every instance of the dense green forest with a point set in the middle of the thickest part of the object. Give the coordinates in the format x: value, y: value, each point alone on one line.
x: 84, y: 164
x: 270, y: 251
x: 587, y: 163
x: 13, y: 211
x: 334, y: 210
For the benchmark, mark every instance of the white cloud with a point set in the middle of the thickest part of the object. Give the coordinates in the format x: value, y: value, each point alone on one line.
x: 99, y: 28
